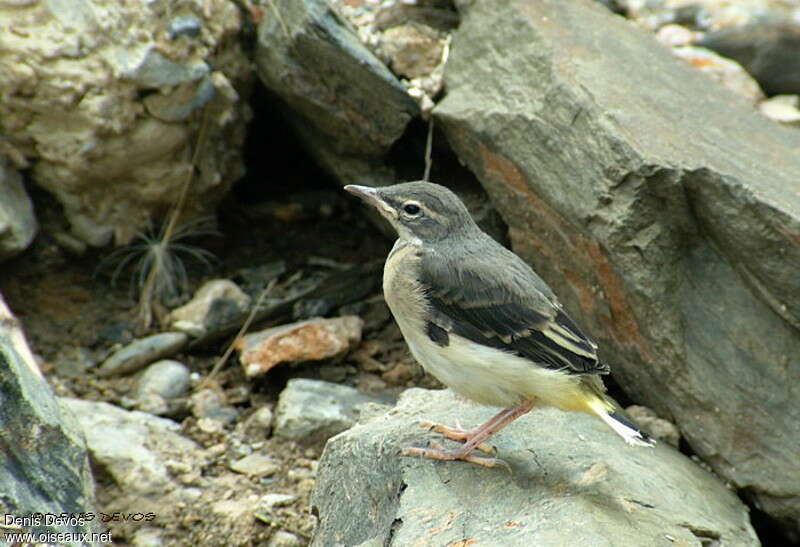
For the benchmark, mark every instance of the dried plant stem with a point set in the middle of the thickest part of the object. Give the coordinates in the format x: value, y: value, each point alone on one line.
x: 246, y: 325
x: 428, y: 150
x: 149, y: 299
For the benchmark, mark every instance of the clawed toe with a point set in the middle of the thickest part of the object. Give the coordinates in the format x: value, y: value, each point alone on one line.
x: 435, y: 452
x: 457, y: 434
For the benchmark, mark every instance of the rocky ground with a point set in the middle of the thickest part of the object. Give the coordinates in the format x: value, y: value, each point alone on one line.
x: 74, y: 318
x: 640, y: 155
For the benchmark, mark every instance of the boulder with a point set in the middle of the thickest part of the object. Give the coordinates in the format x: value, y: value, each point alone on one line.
x: 106, y: 101
x: 17, y: 221
x: 44, y: 465
x: 570, y: 481
x: 344, y: 103
x: 661, y: 208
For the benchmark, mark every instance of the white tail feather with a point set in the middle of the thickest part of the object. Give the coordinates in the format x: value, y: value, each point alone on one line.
x: 632, y: 436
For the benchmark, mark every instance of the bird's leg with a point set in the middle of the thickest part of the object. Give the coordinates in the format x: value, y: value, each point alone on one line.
x: 473, y: 438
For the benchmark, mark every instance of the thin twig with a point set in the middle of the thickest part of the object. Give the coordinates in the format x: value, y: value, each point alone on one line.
x: 280, y: 19
x: 246, y: 325
x: 428, y: 153
x: 148, y: 293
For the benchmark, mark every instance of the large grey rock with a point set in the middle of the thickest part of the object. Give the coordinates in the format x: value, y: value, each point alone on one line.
x: 312, y: 410
x: 345, y: 104
x: 662, y: 210
x: 17, y: 221
x: 571, y: 482
x: 135, y: 448
x: 106, y: 101
x: 44, y: 466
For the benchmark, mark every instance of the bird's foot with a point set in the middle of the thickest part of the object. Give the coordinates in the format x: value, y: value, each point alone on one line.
x: 458, y: 434
x: 437, y: 452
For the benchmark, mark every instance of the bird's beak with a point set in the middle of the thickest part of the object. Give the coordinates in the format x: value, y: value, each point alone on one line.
x: 370, y: 195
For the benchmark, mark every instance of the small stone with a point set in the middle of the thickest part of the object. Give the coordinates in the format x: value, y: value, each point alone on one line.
x: 195, y: 316
x: 212, y: 405
x: 782, y: 109
x: 726, y: 71
x: 184, y: 26
x: 412, y: 50
x: 311, y: 340
x: 269, y: 501
x: 167, y: 379
x: 676, y: 35
x: 260, y: 422
x: 256, y: 465
x: 282, y: 538
x: 313, y: 411
x: 148, y: 537
x: 17, y: 221
x: 142, y: 352
x: 654, y: 425
x: 152, y: 403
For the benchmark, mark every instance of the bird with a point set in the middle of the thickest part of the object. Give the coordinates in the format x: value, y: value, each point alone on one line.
x: 481, y: 321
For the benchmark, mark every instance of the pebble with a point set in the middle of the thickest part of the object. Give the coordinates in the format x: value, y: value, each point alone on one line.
x: 142, y: 352
x: 165, y: 378
x: 209, y: 404
x: 282, y: 538
x: 654, y: 425
x: 256, y: 465
x: 260, y: 422
x: 196, y: 317
x: 312, y: 411
x: 270, y: 501
x: 310, y: 340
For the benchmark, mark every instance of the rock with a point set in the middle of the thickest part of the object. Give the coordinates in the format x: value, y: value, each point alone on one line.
x: 270, y: 501
x: 17, y: 222
x: 104, y: 100
x: 148, y: 537
x: 728, y: 73
x: 142, y: 352
x: 665, y: 217
x: 312, y: 411
x: 783, y: 109
x: 260, y: 422
x: 311, y: 340
x: 571, y: 481
x: 135, y: 448
x: 211, y: 305
x: 168, y: 379
x: 413, y: 51
x: 44, y: 466
x: 211, y: 404
x: 656, y: 427
x: 345, y: 104
x: 769, y: 51
x: 705, y: 15
x: 282, y: 538
x: 256, y: 465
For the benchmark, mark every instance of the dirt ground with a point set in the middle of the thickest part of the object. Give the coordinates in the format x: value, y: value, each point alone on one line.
x: 72, y: 313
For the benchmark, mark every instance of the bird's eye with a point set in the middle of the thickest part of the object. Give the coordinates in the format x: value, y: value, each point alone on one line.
x: 411, y: 209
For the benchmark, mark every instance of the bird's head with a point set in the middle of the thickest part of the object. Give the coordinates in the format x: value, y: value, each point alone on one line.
x: 418, y: 210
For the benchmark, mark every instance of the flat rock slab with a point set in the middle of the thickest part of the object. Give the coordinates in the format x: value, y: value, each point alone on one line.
x: 572, y: 482
x: 140, y: 353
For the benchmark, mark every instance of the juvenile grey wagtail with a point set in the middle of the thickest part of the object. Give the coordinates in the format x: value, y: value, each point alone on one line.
x: 481, y: 321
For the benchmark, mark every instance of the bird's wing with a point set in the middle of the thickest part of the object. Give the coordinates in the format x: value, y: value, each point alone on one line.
x: 495, y: 299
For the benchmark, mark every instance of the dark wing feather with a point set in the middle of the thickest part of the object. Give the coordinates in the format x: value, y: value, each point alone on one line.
x: 495, y: 299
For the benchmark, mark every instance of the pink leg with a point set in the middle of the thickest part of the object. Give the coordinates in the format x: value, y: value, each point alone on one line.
x: 472, y: 439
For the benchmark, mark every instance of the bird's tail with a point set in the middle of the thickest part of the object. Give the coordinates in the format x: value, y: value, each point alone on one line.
x: 622, y: 427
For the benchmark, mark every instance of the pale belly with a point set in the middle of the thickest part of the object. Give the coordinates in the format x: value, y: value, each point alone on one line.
x: 483, y: 374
